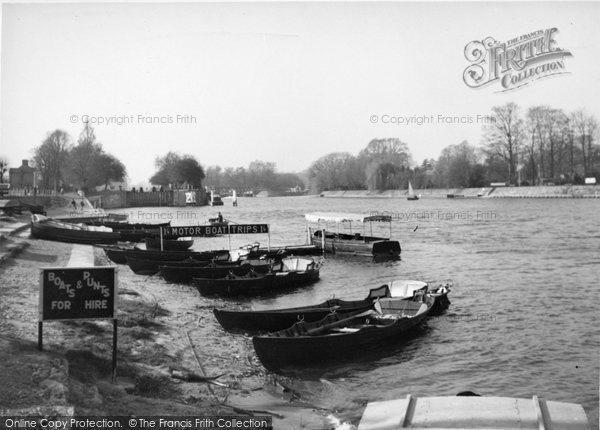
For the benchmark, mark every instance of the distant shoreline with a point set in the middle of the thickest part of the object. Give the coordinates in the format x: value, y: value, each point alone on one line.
x: 545, y: 192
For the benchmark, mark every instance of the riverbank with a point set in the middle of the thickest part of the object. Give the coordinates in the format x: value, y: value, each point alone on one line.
x: 562, y: 191
x: 162, y: 328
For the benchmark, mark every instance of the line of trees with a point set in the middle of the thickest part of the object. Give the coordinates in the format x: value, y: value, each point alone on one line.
x: 542, y: 145
x: 258, y: 175
x: 84, y: 165
x: 177, y: 171
x: 382, y: 164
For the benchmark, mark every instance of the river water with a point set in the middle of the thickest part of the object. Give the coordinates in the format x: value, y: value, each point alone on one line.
x: 524, y: 318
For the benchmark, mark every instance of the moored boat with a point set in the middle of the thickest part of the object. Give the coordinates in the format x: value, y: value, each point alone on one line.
x: 49, y: 229
x: 184, y: 274
x: 270, y: 320
x: 377, y: 247
x: 215, y: 199
x: 118, y: 254
x: 292, y: 272
x: 257, y: 251
x: 149, y: 266
x: 338, y: 336
x: 121, y: 225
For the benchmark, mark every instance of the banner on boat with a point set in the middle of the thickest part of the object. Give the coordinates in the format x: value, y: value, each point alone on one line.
x: 211, y: 230
x: 77, y: 293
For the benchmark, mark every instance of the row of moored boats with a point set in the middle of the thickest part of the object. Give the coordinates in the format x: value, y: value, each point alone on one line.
x: 336, y: 328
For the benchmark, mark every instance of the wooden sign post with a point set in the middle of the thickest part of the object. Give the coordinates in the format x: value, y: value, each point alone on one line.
x: 78, y: 293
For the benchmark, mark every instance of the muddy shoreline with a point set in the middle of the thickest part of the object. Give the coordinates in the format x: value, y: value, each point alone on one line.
x: 162, y: 328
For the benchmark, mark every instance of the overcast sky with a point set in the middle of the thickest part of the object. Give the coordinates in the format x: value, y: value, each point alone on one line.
x: 285, y: 82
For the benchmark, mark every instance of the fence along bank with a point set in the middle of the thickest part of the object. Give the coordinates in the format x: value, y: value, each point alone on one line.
x: 128, y: 199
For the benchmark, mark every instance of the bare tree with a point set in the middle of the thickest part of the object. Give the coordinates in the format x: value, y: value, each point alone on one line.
x: 580, y: 125
x: 90, y: 166
x: 503, y: 137
x: 338, y: 170
x: 51, y: 158
x: 592, y: 130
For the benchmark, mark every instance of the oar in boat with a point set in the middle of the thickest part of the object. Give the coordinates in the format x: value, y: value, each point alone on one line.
x: 340, y: 322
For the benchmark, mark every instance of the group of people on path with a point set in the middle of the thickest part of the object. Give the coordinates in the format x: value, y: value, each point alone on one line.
x: 74, y: 204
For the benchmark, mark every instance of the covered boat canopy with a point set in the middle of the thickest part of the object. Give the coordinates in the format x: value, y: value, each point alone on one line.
x: 295, y: 264
x: 406, y: 288
x: 345, y: 217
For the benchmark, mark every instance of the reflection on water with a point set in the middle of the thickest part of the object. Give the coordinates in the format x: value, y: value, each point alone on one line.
x: 524, y: 313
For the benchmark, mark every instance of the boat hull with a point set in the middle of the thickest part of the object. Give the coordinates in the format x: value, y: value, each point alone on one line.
x: 278, y: 351
x: 253, y: 286
x: 41, y: 230
x: 344, y: 244
x: 183, y: 274
x: 283, y: 251
x: 119, y: 255
x: 117, y: 225
x: 145, y: 266
x: 275, y: 320
x: 138, y: 235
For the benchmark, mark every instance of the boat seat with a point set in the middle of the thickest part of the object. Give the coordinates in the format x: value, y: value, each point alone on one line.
x: 345, y: 330
x: 377, y: 306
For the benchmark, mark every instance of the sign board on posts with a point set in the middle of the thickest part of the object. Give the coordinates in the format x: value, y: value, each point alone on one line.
x: 68, y: 293
x: 208, y: 230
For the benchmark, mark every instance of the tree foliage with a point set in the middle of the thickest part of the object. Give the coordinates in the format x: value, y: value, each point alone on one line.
x: 458, y: 166
x: 177, y: 170
x: 539, y: 146
x: 51, y: 159
x: 3, y: 168
x: 336, y: 171
x: 84, y: 165
x: 88, y: 166
x: 258, y: 175
x: 504, y: 136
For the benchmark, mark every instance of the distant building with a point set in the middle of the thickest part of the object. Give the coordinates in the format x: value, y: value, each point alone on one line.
x: 22, y: 176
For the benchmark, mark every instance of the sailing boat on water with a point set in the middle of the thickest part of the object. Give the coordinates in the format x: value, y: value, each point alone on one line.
x: 411, y: 193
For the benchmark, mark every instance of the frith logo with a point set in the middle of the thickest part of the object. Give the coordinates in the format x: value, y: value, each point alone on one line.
x: 515, y: 63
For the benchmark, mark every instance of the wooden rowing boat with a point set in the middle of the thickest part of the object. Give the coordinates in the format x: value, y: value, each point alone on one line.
x: 270, y: 320
x: 50, y: 229
x: 293, y: 272
x: 176, y: 273
x: 340, y: 336
x: 120, y: 225
x: 119, y: 254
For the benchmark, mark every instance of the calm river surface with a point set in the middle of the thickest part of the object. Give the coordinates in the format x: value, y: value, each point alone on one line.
x: 524, y: 317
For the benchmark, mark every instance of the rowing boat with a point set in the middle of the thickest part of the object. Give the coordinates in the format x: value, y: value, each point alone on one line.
x: 49, y: 229
x: 338, y: 337
x: 119, y: 254
x: 270, y: 320
x: 173, y: 272
x: 291, y: 272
